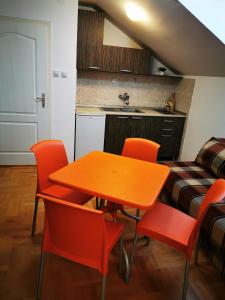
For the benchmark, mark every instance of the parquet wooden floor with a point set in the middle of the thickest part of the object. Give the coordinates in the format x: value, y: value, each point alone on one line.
x: 157, y: 272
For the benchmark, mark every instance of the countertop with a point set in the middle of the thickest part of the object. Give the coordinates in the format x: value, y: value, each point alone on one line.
x: 145, y: 111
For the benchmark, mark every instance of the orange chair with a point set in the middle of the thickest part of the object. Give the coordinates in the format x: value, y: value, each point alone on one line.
x: 137, y: 148
x: 142, y: 149
x: 51, y: 156
x: 79, y: 234
x: 176, y: 229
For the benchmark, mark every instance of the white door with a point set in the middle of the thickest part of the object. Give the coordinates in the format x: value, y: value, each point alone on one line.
x: 24, y: 77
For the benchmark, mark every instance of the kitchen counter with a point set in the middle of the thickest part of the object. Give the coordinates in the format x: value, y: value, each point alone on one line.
x: 145, y: 111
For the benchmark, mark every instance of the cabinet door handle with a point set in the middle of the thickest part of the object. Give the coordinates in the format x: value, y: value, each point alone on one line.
x: 93, y: 68
x: 167, y: 129
x: 137, y: 118
x: 126, y: 71
x: 122, y: 117
x: 166, y: 135
x: 168, y: 121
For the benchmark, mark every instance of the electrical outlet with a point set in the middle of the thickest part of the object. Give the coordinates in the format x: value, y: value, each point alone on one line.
x: 64, y: 75
x: 55, y: 74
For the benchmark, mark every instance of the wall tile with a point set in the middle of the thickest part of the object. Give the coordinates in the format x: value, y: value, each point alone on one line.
x: 99, y: 88
x: 184, y: 91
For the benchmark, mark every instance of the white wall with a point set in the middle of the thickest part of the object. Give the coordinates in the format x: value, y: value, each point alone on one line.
x: 113, y: 36
x: 206, y: 115
x: 63, y: 17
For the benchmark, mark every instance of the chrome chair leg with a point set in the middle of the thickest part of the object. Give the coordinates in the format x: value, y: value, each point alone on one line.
x: 103, y: 285
x: 96, y: 203
x: 185, y: 284
x: 40, y: 276
x: 137, y: 220
x: 121, y: 255
x: 147, y: 240
x: 123, y: 260
x: 102, y: 203
x: 127, y: 265
x: 132, y: 253
x: 137, y: 215
x: 197, y: 251
x: 34, y: 216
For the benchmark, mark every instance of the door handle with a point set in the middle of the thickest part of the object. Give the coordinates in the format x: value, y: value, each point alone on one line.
x: 42, y: 99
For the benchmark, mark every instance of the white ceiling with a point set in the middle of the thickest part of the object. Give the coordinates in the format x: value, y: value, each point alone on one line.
x: 177, y: 38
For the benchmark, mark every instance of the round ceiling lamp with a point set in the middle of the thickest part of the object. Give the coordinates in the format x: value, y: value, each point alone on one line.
x: 135, y: 12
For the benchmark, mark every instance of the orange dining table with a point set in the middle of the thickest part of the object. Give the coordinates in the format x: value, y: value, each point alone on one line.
x: 120, y: 179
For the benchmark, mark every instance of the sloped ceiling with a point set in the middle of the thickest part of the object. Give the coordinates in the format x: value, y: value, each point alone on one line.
x: 176, y: 37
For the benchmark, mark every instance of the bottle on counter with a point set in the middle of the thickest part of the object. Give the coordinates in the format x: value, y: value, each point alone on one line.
x: 170, y: 103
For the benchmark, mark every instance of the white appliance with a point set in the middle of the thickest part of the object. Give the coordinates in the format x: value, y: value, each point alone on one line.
x: 90, y: 134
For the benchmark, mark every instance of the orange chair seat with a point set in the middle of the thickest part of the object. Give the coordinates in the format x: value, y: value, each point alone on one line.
x: 174, y: 231
x: 67, y: 194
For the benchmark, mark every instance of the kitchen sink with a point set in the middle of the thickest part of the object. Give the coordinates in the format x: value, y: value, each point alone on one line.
x: 110, y: 109
x: 122, y: 109
x: 130, y: 109
x: 162, y: 111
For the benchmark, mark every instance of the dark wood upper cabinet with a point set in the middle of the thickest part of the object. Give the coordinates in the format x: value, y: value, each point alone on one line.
x: 93, y: 55
x: 142, y: 61
x: 126, y: 60
x: 89, y: 39
x: 111, y: 59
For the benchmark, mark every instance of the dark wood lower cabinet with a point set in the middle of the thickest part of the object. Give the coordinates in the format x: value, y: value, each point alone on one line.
x: 116, y: 131
x: 170, y: 132
x: 167, y: 131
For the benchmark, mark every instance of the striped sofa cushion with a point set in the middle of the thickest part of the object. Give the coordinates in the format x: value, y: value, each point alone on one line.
x: 212, y: 156
x: 213, y: 227
x: 187, y: 185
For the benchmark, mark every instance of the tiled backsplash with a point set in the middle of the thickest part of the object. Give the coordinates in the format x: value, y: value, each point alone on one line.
x: 98, y: 88
x: 184, y: 91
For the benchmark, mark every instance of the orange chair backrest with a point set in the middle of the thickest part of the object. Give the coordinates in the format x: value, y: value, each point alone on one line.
x: 215, y: 194
x: 50, y: 156
x: 75, y: 232
x: 142, y: 149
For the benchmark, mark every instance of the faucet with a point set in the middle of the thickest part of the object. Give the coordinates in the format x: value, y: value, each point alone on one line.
x: 125, y: 97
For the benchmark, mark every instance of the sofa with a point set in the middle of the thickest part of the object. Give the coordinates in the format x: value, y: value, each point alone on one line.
x: 187, y: 185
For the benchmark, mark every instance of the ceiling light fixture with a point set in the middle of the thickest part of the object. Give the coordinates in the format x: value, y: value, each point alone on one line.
x: 135, y: 12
